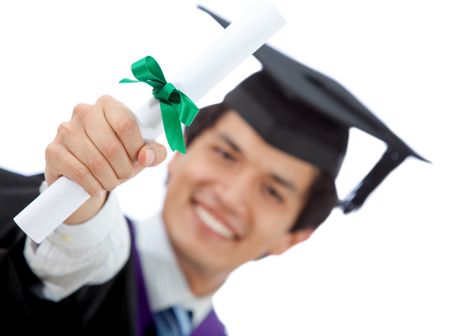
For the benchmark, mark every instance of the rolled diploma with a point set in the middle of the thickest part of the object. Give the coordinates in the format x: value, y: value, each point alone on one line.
x: 233, y: 45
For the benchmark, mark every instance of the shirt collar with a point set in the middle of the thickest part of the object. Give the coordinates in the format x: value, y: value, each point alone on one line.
x: 165, y: 282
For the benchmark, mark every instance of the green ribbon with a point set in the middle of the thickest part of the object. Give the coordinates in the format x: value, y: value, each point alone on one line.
x: 176, y: 107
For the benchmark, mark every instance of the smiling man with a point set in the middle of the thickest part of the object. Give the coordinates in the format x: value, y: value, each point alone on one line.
x: 231, y: 199
x: 257, y: 178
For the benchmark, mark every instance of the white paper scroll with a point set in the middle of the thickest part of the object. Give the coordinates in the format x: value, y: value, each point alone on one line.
x: 233, y: 45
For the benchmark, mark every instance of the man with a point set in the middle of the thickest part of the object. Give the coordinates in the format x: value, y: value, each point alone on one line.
x: 257, y: 178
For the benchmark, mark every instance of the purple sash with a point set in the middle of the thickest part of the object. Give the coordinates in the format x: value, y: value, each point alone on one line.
x: 210, y: 326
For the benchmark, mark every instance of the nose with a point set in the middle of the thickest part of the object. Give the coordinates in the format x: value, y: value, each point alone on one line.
x: 235, y: 192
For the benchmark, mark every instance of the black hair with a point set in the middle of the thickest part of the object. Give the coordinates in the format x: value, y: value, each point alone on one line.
x: 205, y: 119
x: 322, y: 197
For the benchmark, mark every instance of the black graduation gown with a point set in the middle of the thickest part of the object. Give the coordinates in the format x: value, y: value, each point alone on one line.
x: 21, y: 313
x: 110, y: 308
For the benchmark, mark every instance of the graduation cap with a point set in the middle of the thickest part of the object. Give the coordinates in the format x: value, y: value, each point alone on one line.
x: 308, y: 115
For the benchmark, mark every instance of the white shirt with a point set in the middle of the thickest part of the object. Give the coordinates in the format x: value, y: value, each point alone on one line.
x: 95, y: 251
x: 165, y: 282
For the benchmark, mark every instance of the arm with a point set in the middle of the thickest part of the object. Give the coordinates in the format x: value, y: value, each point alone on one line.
x: 76, y: 255
x: 99, y: 148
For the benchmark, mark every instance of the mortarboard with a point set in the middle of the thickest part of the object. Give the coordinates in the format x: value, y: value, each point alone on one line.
x: 308, y: 115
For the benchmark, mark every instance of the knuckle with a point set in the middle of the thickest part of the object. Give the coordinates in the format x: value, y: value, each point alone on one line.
x: 125, y: 125
x: 80, y: 111
x: 95, y: 163
x: 80, y: 173
x: 110, y: 149
x: 50, y: 151
x: 64, y: 129
x: 104, y: 99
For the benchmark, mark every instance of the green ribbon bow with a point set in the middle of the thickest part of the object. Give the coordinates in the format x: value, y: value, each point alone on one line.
x: 176, y: 107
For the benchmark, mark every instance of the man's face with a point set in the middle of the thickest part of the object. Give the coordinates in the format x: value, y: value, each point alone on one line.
x: 233, y: 198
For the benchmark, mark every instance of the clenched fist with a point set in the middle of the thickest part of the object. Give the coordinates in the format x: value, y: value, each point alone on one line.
x: 99, y: 148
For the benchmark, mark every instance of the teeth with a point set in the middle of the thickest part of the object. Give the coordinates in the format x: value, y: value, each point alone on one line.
x: 213, y: 223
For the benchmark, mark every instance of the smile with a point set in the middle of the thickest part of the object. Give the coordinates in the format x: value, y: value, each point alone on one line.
x: 213, y: 223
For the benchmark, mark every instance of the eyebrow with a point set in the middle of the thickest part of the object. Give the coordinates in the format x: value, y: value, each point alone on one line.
x: 280, y: 180
x: 230, y: 142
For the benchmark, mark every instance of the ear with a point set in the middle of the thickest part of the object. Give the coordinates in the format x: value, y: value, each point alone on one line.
x: 291, y: 239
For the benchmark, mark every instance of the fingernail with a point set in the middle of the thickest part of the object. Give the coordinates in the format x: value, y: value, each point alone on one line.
x: 150, y: 158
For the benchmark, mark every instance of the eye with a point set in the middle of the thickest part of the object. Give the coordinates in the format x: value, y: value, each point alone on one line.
x: 273, y: 193
x: 225, y: 154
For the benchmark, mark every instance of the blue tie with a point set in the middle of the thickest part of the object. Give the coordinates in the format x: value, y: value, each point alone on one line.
x: 174, y: 321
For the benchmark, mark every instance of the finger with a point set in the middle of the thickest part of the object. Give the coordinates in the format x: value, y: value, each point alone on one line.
x: 152, y: 154
x: 124, y: 124
x: 103, y: 137
x: 80, y: 146
x: 61, y: 162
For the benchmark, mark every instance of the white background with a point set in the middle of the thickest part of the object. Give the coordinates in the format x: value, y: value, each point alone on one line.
x: 381, y: 271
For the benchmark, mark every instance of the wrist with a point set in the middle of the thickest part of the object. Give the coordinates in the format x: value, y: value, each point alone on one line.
x: 88, y: 210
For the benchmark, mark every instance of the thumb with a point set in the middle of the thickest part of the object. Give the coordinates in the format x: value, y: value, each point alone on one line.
x: 151, y: 154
